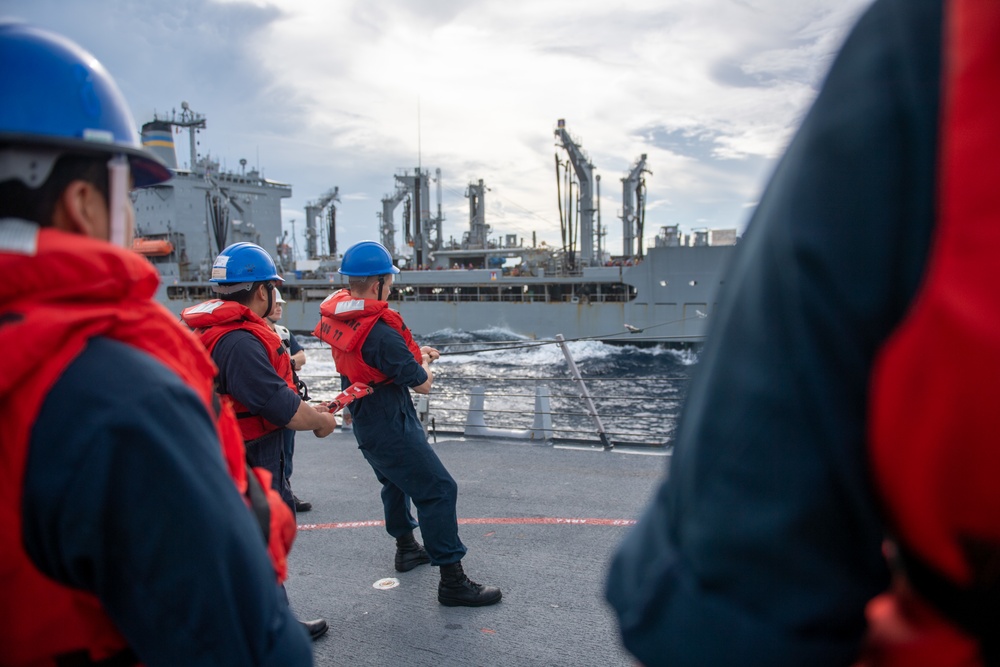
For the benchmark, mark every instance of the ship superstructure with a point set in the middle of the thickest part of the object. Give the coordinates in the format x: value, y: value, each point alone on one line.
x: 504, y: 282
x: 181, y: 225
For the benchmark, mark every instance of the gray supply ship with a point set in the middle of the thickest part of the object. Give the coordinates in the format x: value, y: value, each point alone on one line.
x: 663, y: 294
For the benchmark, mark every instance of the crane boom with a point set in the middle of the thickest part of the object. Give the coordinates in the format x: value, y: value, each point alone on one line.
x: 313, y: 211
x: 631, y: 206
x: 584, y: 169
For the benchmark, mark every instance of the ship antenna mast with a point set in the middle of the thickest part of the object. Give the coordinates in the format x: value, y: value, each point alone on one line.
x: 191, y: 121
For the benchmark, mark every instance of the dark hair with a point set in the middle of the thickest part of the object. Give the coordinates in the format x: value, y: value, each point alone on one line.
x: 243, y: 296
x: 37, y: 205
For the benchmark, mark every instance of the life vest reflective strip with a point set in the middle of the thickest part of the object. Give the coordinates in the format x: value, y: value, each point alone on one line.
x: 215, y: 318
x: 115, y: 302
x: 345, y: 323
x: 933, y: 415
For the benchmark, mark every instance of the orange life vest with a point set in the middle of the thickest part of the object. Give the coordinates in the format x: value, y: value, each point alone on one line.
x: 345, y: 323
x: 211, y: 321
x: 59, y: 291
x: 933, y: 415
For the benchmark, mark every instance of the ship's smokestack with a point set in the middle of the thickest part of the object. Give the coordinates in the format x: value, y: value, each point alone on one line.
x: 158, y: 137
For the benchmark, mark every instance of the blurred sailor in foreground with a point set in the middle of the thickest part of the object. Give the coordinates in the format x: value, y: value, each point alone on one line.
x: 847, y: 390
x: 125, y: 530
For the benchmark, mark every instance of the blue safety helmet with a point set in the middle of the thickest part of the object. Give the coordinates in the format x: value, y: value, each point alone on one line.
x: 243, y: 263
x: 58, y: 99
x: 367, y: 258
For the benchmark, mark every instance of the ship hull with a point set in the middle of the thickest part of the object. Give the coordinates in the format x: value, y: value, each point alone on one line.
x: 667, y: 298
x: 526, y: 290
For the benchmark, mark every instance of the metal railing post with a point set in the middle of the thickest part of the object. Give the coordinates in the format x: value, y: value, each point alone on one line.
x: 423, y: 408
x: 541, y: 429
x: 475, y: 418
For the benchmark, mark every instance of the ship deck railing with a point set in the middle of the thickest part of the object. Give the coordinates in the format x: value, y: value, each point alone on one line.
x: 548, y: 410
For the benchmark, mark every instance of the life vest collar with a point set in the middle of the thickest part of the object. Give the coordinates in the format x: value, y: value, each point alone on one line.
x: 215, y: 318
x: 345, y: 324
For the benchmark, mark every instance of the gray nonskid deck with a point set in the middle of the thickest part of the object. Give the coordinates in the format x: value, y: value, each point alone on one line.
x: 523, y: 511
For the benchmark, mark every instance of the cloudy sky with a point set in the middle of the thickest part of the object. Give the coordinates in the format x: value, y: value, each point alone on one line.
x: 323, y: 93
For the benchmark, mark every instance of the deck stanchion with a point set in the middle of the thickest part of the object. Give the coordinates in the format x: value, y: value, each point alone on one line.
x: 541, y: 429
x: 475, y: 419
x: 423, y: 407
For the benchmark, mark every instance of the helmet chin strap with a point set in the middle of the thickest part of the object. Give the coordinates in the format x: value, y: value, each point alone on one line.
x: 381, y: 284
x: 118, y: 173
x: 270, y: 300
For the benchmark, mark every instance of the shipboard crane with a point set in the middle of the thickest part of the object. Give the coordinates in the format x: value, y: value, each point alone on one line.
x: 634, y: 207
x: 314, y: 209
x: 422, y: 230
x: 479, y: 231
x: 426, y: 236
x: 386, y: 227
x: 584, y: 169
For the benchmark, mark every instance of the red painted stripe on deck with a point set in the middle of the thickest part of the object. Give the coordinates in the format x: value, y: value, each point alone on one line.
x: 522, y: 521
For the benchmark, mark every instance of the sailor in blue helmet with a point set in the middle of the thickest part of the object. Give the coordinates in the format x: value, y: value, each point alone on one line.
x: 371, y: 344
x: 124, y: 538
x: 255, y: 371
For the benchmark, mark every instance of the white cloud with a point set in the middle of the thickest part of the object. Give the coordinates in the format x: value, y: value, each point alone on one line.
x: 326, y: 92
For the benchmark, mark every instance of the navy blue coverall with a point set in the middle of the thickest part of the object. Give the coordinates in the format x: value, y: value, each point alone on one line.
x: 246, y: 373
x: 393, y: 442
x: 764, y: 544
x: 126, y: 496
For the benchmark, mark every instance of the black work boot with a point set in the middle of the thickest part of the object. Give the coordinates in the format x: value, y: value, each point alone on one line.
x: 457, y: 590
x: 316, y: 628
x: 301, y: 505
x: 409, y: 553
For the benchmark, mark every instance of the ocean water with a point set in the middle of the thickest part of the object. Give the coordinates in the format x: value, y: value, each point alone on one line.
x: 636, y: 391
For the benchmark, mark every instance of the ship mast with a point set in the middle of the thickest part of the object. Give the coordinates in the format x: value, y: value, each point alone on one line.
x: 157, y: 135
